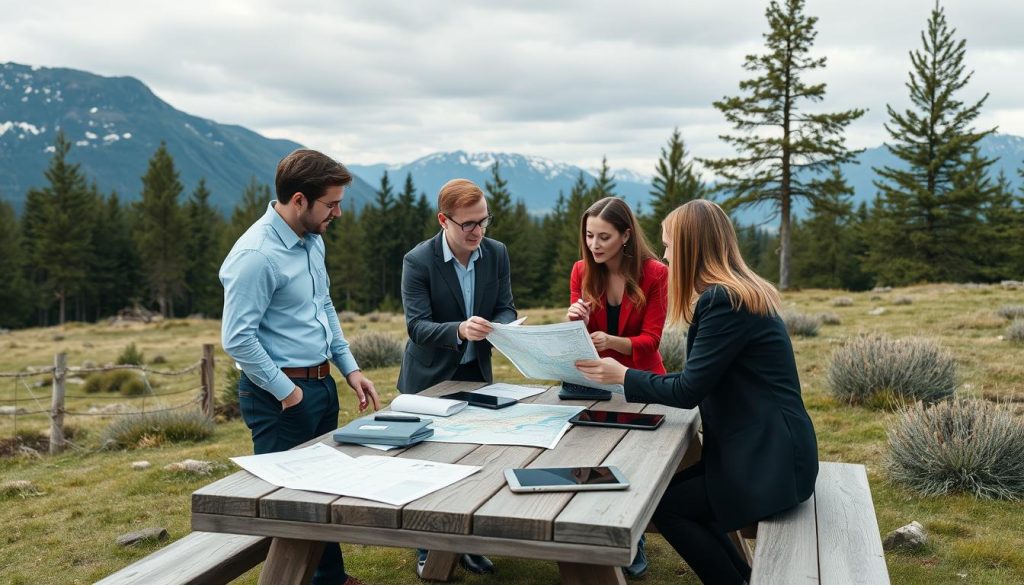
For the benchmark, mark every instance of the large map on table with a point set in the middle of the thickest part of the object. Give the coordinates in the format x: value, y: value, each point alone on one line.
x: 532, y: 425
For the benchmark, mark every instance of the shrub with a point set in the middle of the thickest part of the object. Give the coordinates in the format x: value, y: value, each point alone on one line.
x: 875, y: 370
x: 227, y: 397
x: 1015, y: 331
x: 673, y: 349
x: 904, y: 300
x: 829, y: 319
x: 842, y: 302
x: 971, y: 446
x: 801, y: 324
x: 131, y: 356
x: 158, y: 359
x: 377, y: 350
x: 157, y: 428
x: 1011, y: 312
x: 347, y: 316
x: 127, y: 382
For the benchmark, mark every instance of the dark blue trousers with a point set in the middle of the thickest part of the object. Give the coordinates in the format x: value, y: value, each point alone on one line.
x: 273, y: 431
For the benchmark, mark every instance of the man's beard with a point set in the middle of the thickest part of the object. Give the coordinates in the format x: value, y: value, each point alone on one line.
x: 311, y: 226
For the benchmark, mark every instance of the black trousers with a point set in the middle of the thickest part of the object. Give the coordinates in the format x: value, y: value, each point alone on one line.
x: 469, y: 372
x: 684, y: 517
x: 273, y: 431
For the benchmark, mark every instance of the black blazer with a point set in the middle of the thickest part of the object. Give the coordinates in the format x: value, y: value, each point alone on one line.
x: 434, y: 307
x: 760, y: 453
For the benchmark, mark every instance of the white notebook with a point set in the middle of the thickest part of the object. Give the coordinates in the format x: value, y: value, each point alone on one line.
x: 416, y: 404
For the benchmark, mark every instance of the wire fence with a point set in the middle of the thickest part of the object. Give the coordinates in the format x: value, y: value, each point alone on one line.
x: 51, y: 401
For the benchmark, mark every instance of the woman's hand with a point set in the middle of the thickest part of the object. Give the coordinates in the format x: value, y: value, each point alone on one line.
x: 605, y: 370
x: 602, y: 341
x: 579, y: 311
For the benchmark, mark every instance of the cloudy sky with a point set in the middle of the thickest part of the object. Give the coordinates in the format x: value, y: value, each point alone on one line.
x: 389, y: 81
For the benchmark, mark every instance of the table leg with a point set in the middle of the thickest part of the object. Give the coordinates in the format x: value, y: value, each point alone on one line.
x: 440, y: 565
x: 579, y: 574
x: 291, y: 562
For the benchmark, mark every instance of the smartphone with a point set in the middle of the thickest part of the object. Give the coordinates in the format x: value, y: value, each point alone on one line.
x: 565, y: 479
x: 482, y: 400
x: 621, y: 420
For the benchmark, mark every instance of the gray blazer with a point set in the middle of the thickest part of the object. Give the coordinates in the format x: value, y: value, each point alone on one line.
x: 434, y: 307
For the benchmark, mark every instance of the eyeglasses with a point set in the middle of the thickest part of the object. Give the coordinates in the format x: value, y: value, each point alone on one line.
x: 472, y: 225
x: 330, y: 206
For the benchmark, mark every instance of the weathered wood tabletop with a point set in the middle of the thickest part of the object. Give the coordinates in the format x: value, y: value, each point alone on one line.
x: 589, y: 534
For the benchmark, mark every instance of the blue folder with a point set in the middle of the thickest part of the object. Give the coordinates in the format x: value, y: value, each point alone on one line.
x: 396, y: 434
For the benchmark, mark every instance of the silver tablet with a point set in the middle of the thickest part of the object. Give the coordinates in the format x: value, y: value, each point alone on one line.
x: 566, y: 479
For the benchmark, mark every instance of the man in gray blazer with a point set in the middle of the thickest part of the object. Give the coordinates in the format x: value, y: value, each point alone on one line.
x: 453, y: 286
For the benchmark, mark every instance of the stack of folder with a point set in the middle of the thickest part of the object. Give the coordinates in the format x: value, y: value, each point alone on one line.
x: 366, y: 430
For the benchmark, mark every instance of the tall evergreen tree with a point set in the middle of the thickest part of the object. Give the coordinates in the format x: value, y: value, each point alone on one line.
x: 499, y: 204
x: 675, y: 182
x: 931, y: 203
x: 604, y: 183
x: 15, y: 307
x: 380, y: 219
x: 117, y: 269
x: 250, y: 208
x: 514, y: 227
x: 60, y: 228
x: 553, y: 231
x: 346, y: 261
x: 567, y: 244
x: 783, y: 148
x: 205, y: 225
x: 160, y: 231
x: 823, y: 256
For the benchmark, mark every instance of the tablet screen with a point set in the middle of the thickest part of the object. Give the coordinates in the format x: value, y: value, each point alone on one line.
x: 627, y: 418
x: 565, y: 476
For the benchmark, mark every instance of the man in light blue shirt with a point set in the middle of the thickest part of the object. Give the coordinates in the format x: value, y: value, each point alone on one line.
x: 280, y: 325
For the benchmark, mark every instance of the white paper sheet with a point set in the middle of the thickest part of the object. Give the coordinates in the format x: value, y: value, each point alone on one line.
x: 514, y: 391
x: 321, y: 468
x: 548, y: 352
x: 416, y: 404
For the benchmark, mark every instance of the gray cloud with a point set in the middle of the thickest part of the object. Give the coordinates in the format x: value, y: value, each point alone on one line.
x: 377, y: 80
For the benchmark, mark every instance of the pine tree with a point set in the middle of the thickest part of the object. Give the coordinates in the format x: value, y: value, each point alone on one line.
x: 931, y: 203
x: 554, y: 284
x: 499, y: 204
x: 60, y: 229
x: 783, y: 149
x: 250, y: 208
x: 1002, y: 256
x: 567, y: 245
x: 14, y: 301
x: 604, y: 183
x: 205, y: 225
x: 160, y: 231
x: 823, y: 255
x: 380, y: 219
x: 346, y: 261
x: 675, y: 182
x: 118, y: 271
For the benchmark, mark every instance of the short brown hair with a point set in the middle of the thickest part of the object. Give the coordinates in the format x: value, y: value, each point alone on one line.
x: 309, y: 172
x: 457, y: 193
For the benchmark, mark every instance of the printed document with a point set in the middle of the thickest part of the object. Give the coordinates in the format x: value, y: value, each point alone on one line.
x: 321, y: 468
x: 532, y: 425
x: 514, y: 391
x: 548, y: 352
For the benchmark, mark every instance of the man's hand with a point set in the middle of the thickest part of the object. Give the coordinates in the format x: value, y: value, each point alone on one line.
x: 579, y: 311
x: 364, y: 390
x: 474, y: 329
x: 601, y: 340
x: 605, y: 370
x: 292, y: 399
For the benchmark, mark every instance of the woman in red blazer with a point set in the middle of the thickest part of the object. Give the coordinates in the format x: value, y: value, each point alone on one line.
x: 620, y: 290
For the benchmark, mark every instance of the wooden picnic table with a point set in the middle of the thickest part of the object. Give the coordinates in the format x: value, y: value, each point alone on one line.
x: 589, y: 534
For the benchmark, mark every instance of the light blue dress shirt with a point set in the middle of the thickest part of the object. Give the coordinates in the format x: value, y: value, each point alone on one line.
x: 467, y: 281
x: 277, y: 305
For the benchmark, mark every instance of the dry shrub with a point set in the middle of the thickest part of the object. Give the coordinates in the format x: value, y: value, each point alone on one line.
x: 125, y: 382
x: 376, y: 350
x: 903, y: 300
x: 226, y: 403
x: 829, y: 319
x: 673, y: 349
x: 842, y: 302
x: 1011, y: 312
x: 960, y: 445
x: 151, y: 430
x: 130, y: 356
x: 801, y: 324
x: 878, y: 371
x: 978, y: 320
x: 1015, y: 331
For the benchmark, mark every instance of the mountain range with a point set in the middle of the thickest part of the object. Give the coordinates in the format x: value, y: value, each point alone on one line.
x: 116, y: 123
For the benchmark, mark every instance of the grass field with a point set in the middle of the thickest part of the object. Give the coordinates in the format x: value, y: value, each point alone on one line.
x: 89, y: 497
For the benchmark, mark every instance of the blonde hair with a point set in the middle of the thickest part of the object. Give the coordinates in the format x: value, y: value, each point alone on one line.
x: 705, y: 253
x: 634, y: 253
x: 457, y: 193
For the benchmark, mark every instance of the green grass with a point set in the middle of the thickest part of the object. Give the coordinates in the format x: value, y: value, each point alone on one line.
x: 66, y: 535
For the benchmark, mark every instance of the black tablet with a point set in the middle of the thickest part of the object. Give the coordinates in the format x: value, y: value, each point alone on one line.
x: 483, y: 400
x: 565, y: 479
x: 623, y: 420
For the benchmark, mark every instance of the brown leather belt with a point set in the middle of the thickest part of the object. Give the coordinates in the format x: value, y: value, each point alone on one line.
x: 311, y: 373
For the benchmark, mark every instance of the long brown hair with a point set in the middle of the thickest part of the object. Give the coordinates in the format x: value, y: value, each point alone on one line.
x: 705, y: 252
x: 636, y: 250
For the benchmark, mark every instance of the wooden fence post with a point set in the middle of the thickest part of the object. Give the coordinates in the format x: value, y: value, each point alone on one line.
x: 206, y: 375
x: 60, y: 370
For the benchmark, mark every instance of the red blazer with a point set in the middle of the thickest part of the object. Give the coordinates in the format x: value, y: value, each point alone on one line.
x: 642, y: 327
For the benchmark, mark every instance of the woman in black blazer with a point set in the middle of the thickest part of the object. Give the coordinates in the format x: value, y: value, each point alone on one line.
x: 760, y: 455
